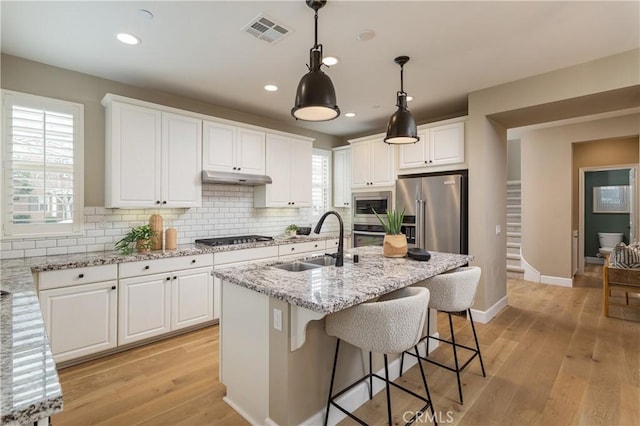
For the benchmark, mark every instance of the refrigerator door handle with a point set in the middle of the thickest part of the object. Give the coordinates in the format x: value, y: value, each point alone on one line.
x: 419, y: 223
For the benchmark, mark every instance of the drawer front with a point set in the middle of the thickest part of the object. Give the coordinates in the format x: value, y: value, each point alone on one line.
x: 76, y: 276
x: 244, y: 255
x: 307, y: 247
x: 159, y: 266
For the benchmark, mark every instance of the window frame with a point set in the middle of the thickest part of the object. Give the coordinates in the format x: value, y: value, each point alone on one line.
x: 328, y: 155
x: 9, y: 98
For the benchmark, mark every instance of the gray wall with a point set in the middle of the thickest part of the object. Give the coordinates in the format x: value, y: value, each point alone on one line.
x: 513, y: 160
x: 39, y: 79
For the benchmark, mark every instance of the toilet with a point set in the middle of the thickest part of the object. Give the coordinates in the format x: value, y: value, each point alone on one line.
x: 608, y: 240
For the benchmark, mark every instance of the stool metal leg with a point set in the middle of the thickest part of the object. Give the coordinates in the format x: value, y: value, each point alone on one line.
x: 475, y: 337
x: 370, y: 378
x: 386, y: 376
x: 455, y: 357
x: 426, y: 387
x: 333, y: 376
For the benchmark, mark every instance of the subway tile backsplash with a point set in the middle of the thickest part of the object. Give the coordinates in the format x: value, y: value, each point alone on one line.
x: 226, y: 210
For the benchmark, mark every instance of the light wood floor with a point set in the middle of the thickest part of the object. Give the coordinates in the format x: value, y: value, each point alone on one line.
x: 551, y: 359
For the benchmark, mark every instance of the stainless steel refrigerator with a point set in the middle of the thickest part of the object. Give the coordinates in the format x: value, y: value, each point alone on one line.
x: 435, y: 212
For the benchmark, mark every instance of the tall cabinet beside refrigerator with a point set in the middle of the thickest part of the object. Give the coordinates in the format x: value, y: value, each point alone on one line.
x: 435, y: 212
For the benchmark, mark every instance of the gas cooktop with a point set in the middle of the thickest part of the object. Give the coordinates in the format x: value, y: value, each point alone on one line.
x: 238, y: 239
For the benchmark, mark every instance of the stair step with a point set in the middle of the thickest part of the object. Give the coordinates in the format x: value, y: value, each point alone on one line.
x: 513, y: 256
x: 513, y: 244
x: 513, y: 268
x: 519, y: 199
x: 514, y: 234
x: 514, y: 215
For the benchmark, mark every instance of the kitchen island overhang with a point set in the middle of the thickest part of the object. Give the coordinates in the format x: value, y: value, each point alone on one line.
x: 275, y: 357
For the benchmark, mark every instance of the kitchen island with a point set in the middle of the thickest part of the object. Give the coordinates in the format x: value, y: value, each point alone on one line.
x: 275, y: 358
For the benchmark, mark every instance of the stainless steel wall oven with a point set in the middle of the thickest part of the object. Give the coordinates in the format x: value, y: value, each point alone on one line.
x: 367, y: 230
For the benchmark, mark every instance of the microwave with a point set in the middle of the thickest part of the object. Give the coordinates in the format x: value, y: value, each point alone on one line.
x: 364, y: 203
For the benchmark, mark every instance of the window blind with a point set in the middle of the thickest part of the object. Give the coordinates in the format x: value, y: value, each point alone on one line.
x: 320, y: 183
x: 41, y: 170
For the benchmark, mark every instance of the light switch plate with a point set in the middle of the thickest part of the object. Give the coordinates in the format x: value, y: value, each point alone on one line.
x: 277, y: 319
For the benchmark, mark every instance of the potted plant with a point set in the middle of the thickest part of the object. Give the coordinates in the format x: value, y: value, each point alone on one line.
x: 140, y: 237
x: 395, y: 241
x: 291, y: 230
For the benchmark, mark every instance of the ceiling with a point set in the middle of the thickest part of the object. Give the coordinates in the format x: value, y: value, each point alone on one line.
x: 197, y: 49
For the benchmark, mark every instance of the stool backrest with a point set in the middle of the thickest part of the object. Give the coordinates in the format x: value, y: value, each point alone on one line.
x: 453, y: 291
x: 393, y: 324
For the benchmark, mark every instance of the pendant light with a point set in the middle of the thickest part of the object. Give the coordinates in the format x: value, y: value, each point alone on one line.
x: 402, y: 127
x: 315, y: 97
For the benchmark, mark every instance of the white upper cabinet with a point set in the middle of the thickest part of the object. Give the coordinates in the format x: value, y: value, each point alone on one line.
x: 288, y: 163
x: 153, y: 157
x: 229, y: 148
x: 342, y: 177
x: 372, y: 163
x: 438, y: 145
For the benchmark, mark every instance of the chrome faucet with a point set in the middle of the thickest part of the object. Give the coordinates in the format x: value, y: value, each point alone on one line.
x: 340, y: 255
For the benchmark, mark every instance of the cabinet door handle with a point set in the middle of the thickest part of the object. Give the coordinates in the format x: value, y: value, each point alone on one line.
x: 239, y: 168
x: 175, y: 278
x: 168, y: 278
x: 235, y: 168
x: 157, y: 201
x: 146, y: 267
x: 164, y: 202
x: 81, y: 276
x: 113, y: 287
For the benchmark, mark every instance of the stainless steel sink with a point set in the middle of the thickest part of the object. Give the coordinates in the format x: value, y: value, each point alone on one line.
x: 297, y: 266
x: 322, y: 261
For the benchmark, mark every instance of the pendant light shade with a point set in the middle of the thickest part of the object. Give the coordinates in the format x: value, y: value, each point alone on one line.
x: 402, y: 127
x: 316, y: 96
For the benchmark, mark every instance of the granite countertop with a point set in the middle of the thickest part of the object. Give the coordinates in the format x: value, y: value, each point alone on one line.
x: 30, y: 386
x: 329, y: 289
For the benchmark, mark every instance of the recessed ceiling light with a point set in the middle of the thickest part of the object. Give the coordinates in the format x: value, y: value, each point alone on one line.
x: 350, y: 114
x: 127, y: 38
x: 366, y: 35
x: 270, y: 88
x: 144, y: 13
x: 409, y: 98
x: 330, y: 60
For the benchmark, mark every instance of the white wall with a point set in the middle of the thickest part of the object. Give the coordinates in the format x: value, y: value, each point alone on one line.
x: 547, y: 188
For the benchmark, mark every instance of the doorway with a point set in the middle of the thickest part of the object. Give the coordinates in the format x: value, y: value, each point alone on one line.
x: 592, y: 220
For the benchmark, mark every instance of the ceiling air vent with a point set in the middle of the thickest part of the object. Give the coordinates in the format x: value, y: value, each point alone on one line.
x: 264, y: 28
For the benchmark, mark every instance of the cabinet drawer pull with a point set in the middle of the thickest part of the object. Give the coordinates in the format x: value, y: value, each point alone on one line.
x: 146, y: 267
x: 316, y: 245
x: 113, y: 287
x: 293, y: 248
x: 193, y: 261
x: 81, y: 276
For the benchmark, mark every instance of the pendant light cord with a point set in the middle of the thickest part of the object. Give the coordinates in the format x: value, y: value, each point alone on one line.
x: 402, y: 78
x: 315, y: 40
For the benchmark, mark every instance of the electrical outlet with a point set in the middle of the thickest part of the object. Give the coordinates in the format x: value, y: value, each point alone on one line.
x: 498, y: 229
x: 277, y: 319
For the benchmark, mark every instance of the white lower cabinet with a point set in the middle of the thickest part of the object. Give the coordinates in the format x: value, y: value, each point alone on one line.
x: 156, y: 303
x: 80, y: 316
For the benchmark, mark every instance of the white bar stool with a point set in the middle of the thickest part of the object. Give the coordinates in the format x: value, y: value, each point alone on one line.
x: 392, y: 324
x: 453, y: 293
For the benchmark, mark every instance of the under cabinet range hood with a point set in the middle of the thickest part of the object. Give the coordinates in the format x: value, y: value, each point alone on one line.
x: 211, y: 176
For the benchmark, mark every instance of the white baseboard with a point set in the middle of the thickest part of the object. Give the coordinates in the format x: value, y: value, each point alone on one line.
x: 531, y: 274
x: 484, y: 317
x: 357, y: 396
x: 559, y: 281
x: 243, y: 413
